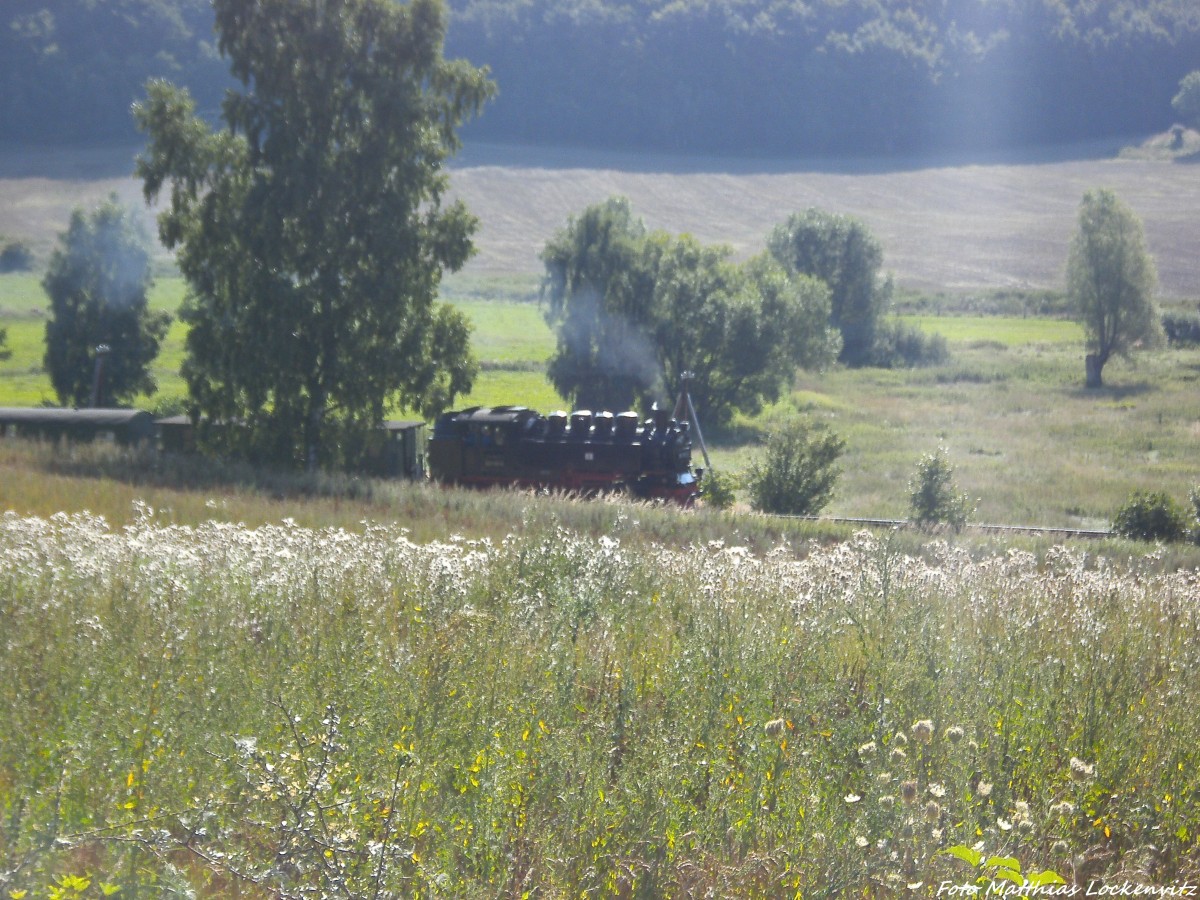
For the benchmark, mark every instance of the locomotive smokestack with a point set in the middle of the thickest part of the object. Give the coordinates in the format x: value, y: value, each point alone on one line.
x: 98, y: 374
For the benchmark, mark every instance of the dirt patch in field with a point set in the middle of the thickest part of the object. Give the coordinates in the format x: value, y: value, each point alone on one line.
x: 955, y: 227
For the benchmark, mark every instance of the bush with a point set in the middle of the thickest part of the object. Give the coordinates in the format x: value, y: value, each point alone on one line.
x: 719, y: 489
x: 1195, y: 498
x: 5, y: 353
x: 799, y: 471
x: 1151, y: 516
x: 898, y: 345
x: 934, y: 499
x: 1182, y: 328
x: 15, y: 256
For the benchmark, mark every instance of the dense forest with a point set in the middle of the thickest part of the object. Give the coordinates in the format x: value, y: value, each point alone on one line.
x: 863, y: 77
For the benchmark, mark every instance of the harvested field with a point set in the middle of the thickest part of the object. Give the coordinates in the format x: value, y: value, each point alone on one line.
x: 949, y: 226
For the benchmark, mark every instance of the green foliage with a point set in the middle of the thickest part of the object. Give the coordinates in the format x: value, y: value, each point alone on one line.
x: 674, y: 75
x: 5, y: 353
x: 841, y: 251
x: 311, y: 227
x: 798, y: 472
x: 1111, y: 281
x: 1186, y: 103
x: 97, y: 281
x: 934, y: 499
x: 719, y: 488
x: 1151, y: 516
x: 990, y: 870
x: 634, y: 310
x: 15, y: 256
x: 1182, y: 327
x: 899, y: 344
x: 1194, y: 497
x: 599, y: 290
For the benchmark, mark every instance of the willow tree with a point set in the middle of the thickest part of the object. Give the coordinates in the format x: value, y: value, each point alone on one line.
x: 1111, y: 281
x: 98, y: 282
x: 313, y: 226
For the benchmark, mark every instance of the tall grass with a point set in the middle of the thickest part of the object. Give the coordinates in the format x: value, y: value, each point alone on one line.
x: 285, y: 711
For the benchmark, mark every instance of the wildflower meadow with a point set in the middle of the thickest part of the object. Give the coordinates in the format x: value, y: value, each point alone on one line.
x: 283, y: 711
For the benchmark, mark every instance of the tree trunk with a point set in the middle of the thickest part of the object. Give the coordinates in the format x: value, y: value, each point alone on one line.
x: 1095, y: 365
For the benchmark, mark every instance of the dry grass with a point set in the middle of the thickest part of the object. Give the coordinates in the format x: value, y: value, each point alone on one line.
x: 944, y: 226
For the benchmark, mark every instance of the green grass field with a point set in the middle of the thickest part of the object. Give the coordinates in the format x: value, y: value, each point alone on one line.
x: 1027, y: 440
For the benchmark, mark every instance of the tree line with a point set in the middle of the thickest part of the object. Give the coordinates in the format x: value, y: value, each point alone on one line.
x: 740, y: 76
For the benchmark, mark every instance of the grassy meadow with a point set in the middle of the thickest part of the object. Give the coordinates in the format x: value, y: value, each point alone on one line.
x: 218, y: 681
x: 1028, y: 442
x: 284, y: 711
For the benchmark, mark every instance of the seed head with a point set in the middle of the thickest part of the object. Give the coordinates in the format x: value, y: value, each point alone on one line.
x: 775, y: 727
x: 908, y: 791
x: 922, y: 731
x: 1081, y: 771
x: 955, y: 734
x: 933, y: 812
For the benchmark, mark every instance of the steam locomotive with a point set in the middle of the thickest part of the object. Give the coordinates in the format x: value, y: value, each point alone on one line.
x: 584, y: 453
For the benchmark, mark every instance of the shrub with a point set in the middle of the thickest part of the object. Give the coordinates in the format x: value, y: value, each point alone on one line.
x: 1182, y: 328
x: 799, y: 470
x: 898, y: 344
x: 719, y: 488
x: 934, y: 499
x: 15, y: 256
x: 1151, y: 516
x: 1195, y: 498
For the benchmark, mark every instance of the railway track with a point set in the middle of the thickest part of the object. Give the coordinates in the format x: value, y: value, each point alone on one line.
x: 997, y: 529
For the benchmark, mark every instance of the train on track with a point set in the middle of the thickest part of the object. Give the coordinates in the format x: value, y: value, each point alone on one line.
x: 584, y: 452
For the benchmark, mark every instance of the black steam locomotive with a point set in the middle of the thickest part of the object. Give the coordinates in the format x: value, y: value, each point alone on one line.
x: 584, y: 452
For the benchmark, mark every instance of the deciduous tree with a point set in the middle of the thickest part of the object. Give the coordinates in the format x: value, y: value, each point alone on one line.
x: 599, y: 290
x: 842, y: 252
x: 741, y: 330
x: 313, y: 227
x: 97, y: 281
x: 1111, y: 281
x: 635, y: 309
